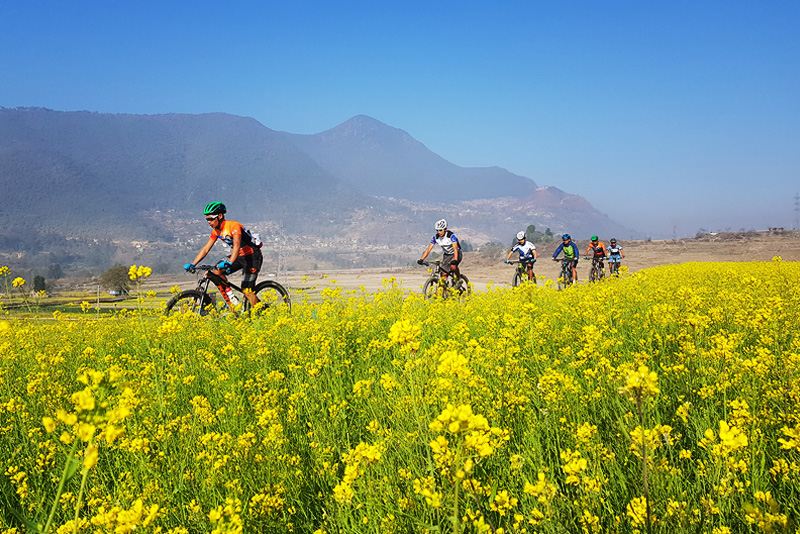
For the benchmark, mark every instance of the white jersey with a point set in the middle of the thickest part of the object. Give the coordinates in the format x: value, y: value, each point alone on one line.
x: 446, y: 241
x: 525, y: 250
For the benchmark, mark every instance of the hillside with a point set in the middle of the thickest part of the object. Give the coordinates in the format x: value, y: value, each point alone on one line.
x: 96, y: 188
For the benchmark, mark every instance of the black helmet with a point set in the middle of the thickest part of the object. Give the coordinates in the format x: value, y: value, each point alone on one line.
x: 212, y: 208
x: 613, y: 240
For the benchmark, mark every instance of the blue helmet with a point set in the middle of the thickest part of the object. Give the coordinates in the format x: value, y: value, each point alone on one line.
x: 566, y: 236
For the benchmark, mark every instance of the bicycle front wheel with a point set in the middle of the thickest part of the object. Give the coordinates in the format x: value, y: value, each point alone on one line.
x: 517, y: 279
x: 190, y: 301
x: 271, y: 295
x: 431, y: 288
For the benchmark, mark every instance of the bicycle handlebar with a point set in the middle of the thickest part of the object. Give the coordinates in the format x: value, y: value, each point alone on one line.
x: 196, y: 268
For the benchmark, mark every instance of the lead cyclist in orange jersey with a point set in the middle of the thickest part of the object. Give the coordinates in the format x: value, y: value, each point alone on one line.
x: 245, y: 251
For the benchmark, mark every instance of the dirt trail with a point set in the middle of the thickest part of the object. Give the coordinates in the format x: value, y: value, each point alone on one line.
x: 483, y: 269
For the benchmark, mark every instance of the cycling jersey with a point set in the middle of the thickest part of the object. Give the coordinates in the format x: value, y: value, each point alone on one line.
x: 599, y: 250
x: 615, y: 252
x: 446, y: 242
x: 227, y: 229
x: 571, y: 251
x: 525, y: 250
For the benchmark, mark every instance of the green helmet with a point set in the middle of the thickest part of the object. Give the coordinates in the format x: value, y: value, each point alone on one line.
x: 594, y: 238
x: 214, y: 207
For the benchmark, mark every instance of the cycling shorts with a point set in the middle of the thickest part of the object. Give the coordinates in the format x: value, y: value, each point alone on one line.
x: 447, y: 258
x: 615, y: 259
x: 527, y: 260
x: 251, y: 265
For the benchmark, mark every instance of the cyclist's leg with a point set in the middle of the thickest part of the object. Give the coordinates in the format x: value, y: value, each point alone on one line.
x: 575, y: 270
x: 250, y: 265
x: 529, y: 269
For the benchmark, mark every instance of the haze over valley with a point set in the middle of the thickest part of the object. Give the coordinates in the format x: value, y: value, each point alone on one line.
x: 96, y: 189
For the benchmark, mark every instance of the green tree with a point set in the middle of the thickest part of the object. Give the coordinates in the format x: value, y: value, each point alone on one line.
x: 38, y: 284
x: 530, y: 232
x: 55, y: 271
x: 116, y: 279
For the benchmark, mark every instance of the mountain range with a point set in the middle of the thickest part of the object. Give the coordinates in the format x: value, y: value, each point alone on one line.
x: 72, y: 176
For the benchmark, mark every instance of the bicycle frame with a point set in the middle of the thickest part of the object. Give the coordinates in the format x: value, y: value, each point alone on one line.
x: 209, y: 277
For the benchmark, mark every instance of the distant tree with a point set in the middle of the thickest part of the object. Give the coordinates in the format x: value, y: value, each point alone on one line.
x: 55, y: 272
x: 116, y: 279
x: 548, y: 232
x: 530, y: 231
x: 466, y: 246
x: 38, y: 284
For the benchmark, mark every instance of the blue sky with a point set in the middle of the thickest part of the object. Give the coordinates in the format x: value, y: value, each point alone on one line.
x: 667, y: 116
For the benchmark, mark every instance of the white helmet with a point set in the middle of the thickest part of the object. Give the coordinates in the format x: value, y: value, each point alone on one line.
x: 440, y: 225
x: 520, y: 236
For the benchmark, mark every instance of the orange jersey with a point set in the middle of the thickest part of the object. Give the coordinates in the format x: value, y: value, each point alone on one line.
x: 597, y: 250
x: 225, y: 232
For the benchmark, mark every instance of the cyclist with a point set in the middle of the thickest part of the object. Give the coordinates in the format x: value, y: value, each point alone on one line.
x: 451, y: 251
x: 527, y: 253
x: 598, y: 250
x: 571, y: 253
x: 245, y: 252
x: 615, y: 253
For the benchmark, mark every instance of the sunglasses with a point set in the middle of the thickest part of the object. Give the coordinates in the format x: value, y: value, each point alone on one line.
x: 211, y: 218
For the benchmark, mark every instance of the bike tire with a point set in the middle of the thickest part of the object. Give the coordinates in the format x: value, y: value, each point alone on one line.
x: 272, y: 295
x: 517, y: 279
x: 189, y: 301
x: 565, y: 279
x: 463, y: 287
x: 430, y: 288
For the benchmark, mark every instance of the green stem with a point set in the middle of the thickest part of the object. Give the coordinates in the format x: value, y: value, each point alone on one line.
x: 646, y: 489
x: 60, y: 489
x: 80, y: 499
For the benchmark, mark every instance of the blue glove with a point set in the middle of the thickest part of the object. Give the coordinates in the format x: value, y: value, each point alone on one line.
x: 533, y: 260
x: 225, y: 265
x: 505, y: 261
x: 188, y: 266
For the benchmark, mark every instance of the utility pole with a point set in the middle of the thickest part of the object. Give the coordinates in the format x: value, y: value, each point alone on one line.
x: 797, y: 211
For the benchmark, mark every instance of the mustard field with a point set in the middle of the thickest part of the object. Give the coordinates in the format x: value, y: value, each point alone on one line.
x: 663, y: 401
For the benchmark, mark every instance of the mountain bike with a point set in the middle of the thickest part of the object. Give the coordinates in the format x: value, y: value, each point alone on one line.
x: 521, y: 273
x: 201, y: 301
x: 613, y: 265
x: 565, y: 276
x: 442, y: 282
x: 597, y: 271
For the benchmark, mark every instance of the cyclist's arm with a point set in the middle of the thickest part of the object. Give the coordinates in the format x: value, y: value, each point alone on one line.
x: 456, y: 250
x: 558, y: 250
x: 237, y: 245
x: 621, y: 252
x: 535, y: 255
x: 204, y: 251
x: 510, y: 254
x: 427, y: 251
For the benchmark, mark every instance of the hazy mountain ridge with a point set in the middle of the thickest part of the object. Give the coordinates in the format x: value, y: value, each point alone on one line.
x: 380, y: 160
x: 72, y: 176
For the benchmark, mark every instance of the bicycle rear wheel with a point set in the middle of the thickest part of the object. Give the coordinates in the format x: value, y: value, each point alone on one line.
x: 462, y: 287
x: 271, y: 295
x: 191, y: 301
